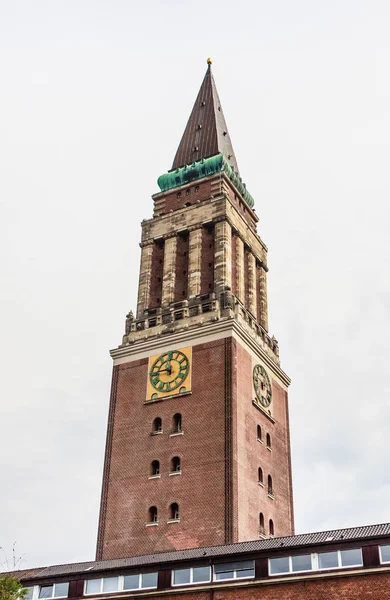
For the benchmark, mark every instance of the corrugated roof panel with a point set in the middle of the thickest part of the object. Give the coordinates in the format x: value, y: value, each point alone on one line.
x: 304, y: 539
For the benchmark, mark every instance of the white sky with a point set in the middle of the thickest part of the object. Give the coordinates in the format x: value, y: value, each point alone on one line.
x: 94, y: 98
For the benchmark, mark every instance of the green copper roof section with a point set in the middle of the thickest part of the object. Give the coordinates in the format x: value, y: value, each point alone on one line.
x: 204, y: 168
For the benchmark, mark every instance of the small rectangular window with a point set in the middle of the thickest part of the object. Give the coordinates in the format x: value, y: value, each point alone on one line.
x: 384, y: 553
x: 234, y: 570
x: 131, y: 582
x: 351, y: 558
x: 201, y: 574
x: 148, y: 580
x: 46, y: 591
x: 30, y: 591
x: 328, y: 560
x: 181, y: 576
x: 61, y: 590
x: 110, y: 584
x: 277, y: 566
x: 93, y: 586
x: 191, y: 575
x: 301, y: 563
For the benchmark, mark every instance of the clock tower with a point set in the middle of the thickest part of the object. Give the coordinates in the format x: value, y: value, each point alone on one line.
x: 198, y: 447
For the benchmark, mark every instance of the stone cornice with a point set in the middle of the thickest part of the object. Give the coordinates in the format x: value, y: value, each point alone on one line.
x: 222, y: 328
x: 147, y: 243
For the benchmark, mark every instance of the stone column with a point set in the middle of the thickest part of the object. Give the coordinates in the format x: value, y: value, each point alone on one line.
x: 169, y: 270
x: 263, y: 318
x: 240, y: 269
x: 194, y: 260
x: 252, y: 296
x: 223, y: 256
x: 145, y: 277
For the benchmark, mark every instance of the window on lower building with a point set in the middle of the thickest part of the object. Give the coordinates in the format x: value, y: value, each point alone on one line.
x: 174, y: 512
x: 384, y: 552
x: 57, y: 590
x: 107, y: 585
x: 259, y: 433
x: 153, y: 514
x: 340, y: 558
x: 191, y: 575
x: 290, y: 564
x: 268, y: 441
x: 234, y: 570
x: 301, y: 563
x: 30, y: 592
x: 175, y: 464
x: 270, y: 488
x: 110, y: 584
x: 155, y: 468
x: 140, y: 581
x: 104, y: 585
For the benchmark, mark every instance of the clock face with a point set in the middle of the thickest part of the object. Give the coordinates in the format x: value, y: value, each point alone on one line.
x: 262, y: 386
x: 169, y: 371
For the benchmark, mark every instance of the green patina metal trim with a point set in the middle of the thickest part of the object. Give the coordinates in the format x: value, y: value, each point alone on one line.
x: 204, y: 168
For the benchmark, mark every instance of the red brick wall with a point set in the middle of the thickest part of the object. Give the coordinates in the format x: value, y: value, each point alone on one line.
x: 171, y: 201
x: 374, y: 586
x: 199, y: 490
x: 252, y: 498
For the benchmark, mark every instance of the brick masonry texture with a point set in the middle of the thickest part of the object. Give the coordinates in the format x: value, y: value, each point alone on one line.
x: 373, y: 586
x: 251, y: 454
x: 199, y: 490
x: 217, y: 491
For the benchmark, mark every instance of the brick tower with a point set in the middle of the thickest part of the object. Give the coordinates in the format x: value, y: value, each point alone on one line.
x: 198, y: 448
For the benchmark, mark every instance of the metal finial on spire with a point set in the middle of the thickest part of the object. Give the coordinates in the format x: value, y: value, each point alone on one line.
x: 209, y: 61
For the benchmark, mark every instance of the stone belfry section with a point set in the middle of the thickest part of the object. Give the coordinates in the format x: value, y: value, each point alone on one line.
x: 198, y: 449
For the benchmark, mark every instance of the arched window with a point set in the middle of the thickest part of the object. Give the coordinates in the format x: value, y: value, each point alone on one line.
x: 259, y: 433
x: 175, y: 464
x: 271, y: 527
x: 174, y: 511
x: 157, y: 425
x: 261, y: 524
x: 260, y: 476
x: 153, y: 514
x: 176, y: 423
x: 155, y: 468
x: 270, y: 488
x: 268, y: 441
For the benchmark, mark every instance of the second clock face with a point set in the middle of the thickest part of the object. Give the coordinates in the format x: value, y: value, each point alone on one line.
x: 262, y: 385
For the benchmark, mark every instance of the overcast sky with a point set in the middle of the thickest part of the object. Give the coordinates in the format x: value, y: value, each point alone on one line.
x: 95, y: 95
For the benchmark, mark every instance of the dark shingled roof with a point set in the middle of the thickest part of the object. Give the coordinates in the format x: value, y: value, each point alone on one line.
x: 206, y: 132
x: 304, y: 539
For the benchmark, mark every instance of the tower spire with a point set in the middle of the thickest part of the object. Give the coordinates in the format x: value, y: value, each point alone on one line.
x: 206, y: 133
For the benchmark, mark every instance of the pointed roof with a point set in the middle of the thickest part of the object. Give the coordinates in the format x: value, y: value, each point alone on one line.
x: 206, y: 132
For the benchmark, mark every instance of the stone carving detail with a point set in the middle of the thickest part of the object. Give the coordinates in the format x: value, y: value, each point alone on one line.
x: 129, y: 321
